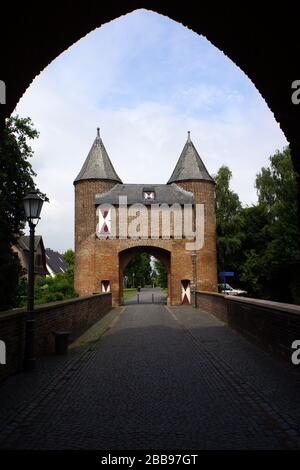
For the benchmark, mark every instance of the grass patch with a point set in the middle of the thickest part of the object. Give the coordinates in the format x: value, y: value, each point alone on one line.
x: 128, y: 293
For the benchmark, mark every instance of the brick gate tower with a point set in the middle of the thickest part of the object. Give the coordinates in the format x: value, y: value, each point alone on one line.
x: 103, y: 237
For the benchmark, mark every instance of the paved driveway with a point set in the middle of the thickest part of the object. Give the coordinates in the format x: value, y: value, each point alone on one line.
x: 158, y: 378
x: 146, y: 295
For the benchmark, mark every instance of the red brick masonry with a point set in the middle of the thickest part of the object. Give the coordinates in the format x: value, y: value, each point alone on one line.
x: 271, y: 325
x: 97, y: 260
x: 75, y: 315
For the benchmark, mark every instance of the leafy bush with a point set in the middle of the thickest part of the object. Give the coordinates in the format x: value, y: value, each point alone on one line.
x: 48, y: 289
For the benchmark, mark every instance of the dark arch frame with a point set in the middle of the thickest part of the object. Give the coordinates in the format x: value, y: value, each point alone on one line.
x: 263, y: 44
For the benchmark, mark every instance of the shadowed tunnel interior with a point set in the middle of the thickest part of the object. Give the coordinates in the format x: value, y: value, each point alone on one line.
x: 125, y: 256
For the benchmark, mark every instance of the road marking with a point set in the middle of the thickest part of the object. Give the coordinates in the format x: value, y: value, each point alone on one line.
x: 171, y: 313
x: 117, y: 317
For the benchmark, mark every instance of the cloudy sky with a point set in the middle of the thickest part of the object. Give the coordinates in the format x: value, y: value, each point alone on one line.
x: 145, y: 81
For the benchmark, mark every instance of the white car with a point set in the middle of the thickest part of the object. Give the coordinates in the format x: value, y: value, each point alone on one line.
x: 227, y: 289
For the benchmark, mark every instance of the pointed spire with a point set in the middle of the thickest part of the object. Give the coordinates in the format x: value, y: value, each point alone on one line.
x: 189, y: 166
x: 97, y: 164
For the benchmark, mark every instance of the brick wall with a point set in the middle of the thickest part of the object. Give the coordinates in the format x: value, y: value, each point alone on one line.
x: 75, y: 315
x: 213, y: 303
x: 271, y: 325
x: 12, y: 329
x: 97, y: 260
x: 204, y: 193
x: 85, y: 227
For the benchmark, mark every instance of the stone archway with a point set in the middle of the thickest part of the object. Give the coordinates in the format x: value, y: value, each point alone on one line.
x: 126, y: 255
x: 269, y: 59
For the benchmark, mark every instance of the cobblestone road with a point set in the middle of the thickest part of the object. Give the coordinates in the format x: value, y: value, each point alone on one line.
x: 148, y: 296
x: 158, y: 378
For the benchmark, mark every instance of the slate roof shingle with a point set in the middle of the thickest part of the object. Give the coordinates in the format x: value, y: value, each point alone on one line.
x: 164, y: 194
x: 24, y: 240
x: 190, y: 166
x: 97, y: 164
x: 55, y: 261
x: 39, y: 255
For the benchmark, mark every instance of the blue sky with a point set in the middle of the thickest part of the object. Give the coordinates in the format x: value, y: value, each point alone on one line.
x: 145, y: 81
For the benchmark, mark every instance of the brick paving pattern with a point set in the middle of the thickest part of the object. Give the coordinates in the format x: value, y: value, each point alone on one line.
x: 159, y: 378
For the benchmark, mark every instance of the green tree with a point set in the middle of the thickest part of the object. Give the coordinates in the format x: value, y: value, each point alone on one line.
x: 16, y: 180
x: 250, y: 271
x: 271, y: 245
x: 138, y: 270
x: 69, y: 257
x: 229, y: 222
x: 160, y: 275
x: 50, y: 289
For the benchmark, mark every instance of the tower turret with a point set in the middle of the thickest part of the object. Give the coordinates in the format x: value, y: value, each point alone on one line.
x: 96, y: 176
x: 191, y: 174
x: 190, y: 167
x: 97, y: 165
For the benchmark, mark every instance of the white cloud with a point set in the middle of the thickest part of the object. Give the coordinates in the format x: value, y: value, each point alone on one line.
x: 143, y: 135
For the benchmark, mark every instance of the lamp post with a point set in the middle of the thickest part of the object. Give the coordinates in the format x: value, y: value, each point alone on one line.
x: 133, y: 280
x: 194, y: 259
x: 32, y: 205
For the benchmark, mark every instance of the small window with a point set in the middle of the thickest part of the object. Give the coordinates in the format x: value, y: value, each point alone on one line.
x: 105, y: 286
x: 185, y: 291
x: 149, y: 194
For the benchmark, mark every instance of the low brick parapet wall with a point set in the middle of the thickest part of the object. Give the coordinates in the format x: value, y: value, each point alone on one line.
x: 12, y: 332
x: 74, y: 315
x: 272, y: 325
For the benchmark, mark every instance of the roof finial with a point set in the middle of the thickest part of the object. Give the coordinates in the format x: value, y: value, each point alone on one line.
x: 98, y: 131
x: 189, y: 136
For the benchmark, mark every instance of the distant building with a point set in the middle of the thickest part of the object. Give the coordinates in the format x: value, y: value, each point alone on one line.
x: 55, y: 262
x: 103, y: 248
x: 22, y: 249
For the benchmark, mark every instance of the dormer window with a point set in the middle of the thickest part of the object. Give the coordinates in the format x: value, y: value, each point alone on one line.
x: 149, y: 194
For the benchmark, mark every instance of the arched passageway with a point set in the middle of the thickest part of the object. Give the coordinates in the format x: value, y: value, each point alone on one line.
x: 161, y: 254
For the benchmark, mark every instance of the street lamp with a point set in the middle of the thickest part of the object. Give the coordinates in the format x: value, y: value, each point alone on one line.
x: 194, y: 259
x: 32, y: 205
x: 132, y: 279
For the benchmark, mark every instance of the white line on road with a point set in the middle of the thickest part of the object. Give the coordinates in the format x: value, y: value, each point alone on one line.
x: 117, y: 317
x: 171, y: 313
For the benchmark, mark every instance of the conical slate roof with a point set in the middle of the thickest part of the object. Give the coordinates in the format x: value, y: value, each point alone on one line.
x: 189, y: 166
x: 97, y: 164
